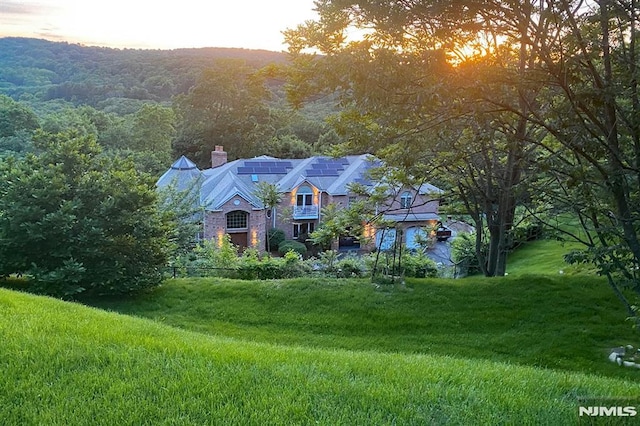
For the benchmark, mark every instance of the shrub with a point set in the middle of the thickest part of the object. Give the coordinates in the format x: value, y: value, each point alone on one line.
x: 463, y: 253
x: 79, y: 222
x: 294, y: 266
x: 290, y: 245
x: 253, y: 267
x: 215, y: 258
x: 419, y: 266
x: 276, y: 237
x: 349, y: 267
x: 327, y: 261
x: 527, y: 231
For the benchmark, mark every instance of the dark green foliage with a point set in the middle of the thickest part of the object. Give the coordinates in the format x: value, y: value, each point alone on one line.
x: 78, y: 221
x: 290, y: 245
x: 463, y: 253
x: 17, y: 123
x: 288, y: 146
x: 181, y: 208
x: 226, y: 107
x: 253, y: 267
x: 275, y: 237
x: 104, y: 77
x: 229, y: 97
x: 15, y: 117
x: 349, y: 267
x: 419, y: 266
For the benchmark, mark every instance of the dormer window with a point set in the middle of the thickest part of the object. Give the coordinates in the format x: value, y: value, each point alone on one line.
x: 405, y: 200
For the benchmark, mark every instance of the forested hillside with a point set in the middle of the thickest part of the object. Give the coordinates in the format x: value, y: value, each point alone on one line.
x: 155, y: 105
x: 48, y: 70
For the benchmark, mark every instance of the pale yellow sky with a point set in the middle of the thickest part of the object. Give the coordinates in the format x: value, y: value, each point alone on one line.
x: 156, y: 24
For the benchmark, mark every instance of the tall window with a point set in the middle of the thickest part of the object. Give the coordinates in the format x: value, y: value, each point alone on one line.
x: 300, y: 229
x: 304, y: 196
x: 237, y: 220
x: 405, y: 200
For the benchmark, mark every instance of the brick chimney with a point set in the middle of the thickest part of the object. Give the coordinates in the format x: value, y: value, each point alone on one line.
x: 218, y: 157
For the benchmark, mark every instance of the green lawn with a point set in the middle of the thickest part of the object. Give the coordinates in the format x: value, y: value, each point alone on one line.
x: 558, y: 322
x: 545, y: 257
x: 66, y: 364
x: 523, y: 349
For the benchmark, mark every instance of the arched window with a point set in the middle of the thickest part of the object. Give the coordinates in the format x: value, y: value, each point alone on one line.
x: 405, y: 200
x: 237, y: 220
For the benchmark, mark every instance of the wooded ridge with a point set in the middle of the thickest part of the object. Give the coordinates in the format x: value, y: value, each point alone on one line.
x: 43, y: 70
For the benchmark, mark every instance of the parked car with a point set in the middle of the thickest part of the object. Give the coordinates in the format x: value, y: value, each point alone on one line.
x: 443, y: 233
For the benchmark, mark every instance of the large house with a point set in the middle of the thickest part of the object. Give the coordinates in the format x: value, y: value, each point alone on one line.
x: 227, y: 193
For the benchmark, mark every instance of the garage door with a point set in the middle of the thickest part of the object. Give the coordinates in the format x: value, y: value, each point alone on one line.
x: 387, y: 242
x: 412, y: 235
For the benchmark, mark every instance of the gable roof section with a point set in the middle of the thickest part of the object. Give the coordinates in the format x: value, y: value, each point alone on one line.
x: 222, y: 184
x: 356, y: 172
x: 239, y: 177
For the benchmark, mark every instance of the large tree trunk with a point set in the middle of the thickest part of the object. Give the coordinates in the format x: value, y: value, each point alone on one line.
x: 618, y: 181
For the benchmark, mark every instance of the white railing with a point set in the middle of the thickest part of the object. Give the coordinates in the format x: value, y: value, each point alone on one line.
x: 305, y: 212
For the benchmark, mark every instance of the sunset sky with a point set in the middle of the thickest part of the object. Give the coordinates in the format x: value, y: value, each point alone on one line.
x: 253, y: 24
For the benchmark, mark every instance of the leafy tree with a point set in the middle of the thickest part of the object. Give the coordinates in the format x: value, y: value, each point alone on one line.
x: 226, y: 107
x: 288, y: 146
x: 593, y: 161
x: 534, y: 102
x: 409, y: 98
x: 84, y: 121
x: 182, y: 209
x: 270, y: 197
x: 15, y: 117
x: 17, y: 124
x: 79, y: 222
x: 153, y: 130
x: 338, y: 221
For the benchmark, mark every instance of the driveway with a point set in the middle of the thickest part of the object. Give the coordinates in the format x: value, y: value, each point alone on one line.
x: 441, y: 251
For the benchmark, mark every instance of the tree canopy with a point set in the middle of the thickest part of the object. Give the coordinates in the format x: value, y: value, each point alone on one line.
x: 513, y: 104
x: 78, y: 221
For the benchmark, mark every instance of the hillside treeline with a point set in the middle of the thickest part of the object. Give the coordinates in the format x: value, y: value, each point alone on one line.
x: 155, y: 105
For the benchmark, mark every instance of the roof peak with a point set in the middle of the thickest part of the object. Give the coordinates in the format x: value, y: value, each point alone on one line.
x: 183, y: 163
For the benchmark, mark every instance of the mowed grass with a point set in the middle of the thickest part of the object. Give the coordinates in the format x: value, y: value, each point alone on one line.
x: 546, y: 257
x: 557, y: 322
x: 66, y: 364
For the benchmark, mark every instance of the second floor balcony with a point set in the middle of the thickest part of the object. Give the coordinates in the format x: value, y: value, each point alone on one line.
x: 305, y: 212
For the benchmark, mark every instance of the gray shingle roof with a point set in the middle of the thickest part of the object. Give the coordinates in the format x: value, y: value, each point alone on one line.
x: 182, y: 174
x: 239, y: 177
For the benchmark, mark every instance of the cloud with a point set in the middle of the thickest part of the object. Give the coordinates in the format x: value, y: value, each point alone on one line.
x: 28, y: 18
x: 24, y: 8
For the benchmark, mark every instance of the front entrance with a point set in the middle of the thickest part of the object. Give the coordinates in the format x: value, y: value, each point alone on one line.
x: 240, y: 239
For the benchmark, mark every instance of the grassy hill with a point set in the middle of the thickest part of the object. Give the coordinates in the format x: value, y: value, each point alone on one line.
x: 524, y: 349
x: 64, y: 363
x: 545, y: 257
x: 552, y: 322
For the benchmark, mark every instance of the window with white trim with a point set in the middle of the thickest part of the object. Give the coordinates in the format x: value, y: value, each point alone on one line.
x: 405, y: 200
x: 302, y: 228
x: 304, y: 196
